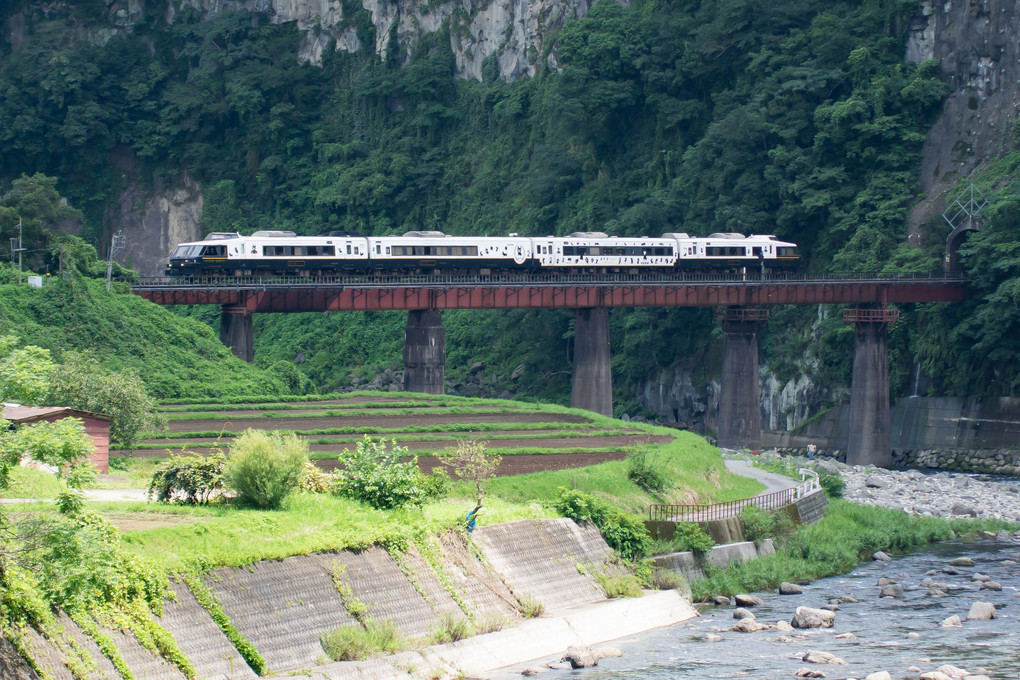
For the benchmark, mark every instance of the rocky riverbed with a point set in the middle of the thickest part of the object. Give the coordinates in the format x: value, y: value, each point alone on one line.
x: 926, y: 494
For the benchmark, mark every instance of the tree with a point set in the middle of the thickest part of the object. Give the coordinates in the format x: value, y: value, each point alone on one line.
x: 24, y: 373
x: 471, y: 462
x: 81, y: 383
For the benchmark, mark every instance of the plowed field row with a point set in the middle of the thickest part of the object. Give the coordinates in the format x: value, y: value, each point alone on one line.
x: 603, y: 441
x: 373, y: 420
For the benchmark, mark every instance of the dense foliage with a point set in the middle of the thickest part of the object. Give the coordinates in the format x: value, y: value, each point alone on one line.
x: 797, y: 118
x: 624, y: 533
x: 187, y: 477
x: 385, y: 476
x: 264, y: 468
x: 125, y: 335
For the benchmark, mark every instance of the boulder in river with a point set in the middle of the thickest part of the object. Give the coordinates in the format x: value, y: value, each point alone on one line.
x: 806, y: 617
x: 786, y: 588
x: 962, y: 562
x: 741, y: 613
x: 581, y: 656
x: 981, y: 611
x: 892, y: 590
x: 881, y: 675
x: 818, y: 656
x: 951, y: 622
x: 746, y: 600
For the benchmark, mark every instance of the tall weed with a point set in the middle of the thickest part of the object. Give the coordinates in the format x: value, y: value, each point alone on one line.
x: 265, y: 468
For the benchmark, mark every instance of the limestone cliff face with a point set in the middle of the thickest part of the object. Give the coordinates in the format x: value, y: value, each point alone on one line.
x: 155, y: 222
x: 512, y: 30
x: 977, y: 46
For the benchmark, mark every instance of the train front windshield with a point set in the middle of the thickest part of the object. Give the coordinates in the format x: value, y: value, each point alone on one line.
x: 186, y: 252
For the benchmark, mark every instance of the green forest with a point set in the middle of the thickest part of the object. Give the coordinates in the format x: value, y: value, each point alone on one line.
x: 799, y: 119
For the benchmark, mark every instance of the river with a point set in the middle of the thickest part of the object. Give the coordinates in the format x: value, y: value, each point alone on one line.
x: 887, y: 634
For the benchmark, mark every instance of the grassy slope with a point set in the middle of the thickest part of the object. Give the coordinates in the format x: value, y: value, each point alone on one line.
x: 175, y: 356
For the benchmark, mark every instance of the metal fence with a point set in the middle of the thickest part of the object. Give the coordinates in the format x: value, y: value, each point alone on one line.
x: 706, y: 513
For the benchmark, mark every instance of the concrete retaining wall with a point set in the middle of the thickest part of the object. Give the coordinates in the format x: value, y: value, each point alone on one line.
x: 919, y: 424
x: 693, y: 567
x: 282, y: 607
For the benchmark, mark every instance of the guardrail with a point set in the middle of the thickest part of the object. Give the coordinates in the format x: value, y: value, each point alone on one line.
x: 707, y: 513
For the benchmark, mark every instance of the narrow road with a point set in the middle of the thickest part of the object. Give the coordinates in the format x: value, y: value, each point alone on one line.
x: 773, y: 482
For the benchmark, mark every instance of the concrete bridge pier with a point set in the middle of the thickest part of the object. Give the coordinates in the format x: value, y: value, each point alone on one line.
x: 592, y: 387
x: 425, y: 352
x: 235, y: 331
x: 870, y: 432
x: 739, y: 423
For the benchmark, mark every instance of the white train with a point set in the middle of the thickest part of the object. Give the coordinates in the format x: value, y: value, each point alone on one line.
x: 275, y: 253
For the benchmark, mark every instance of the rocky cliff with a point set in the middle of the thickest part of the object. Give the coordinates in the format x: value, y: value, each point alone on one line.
x: 977, y: 47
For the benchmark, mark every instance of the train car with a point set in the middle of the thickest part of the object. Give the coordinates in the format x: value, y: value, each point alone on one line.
x: 592, y: 250
x: 280, y: 253
x: 425, y: 252
x: 277, y: 253
x: 730, y: 252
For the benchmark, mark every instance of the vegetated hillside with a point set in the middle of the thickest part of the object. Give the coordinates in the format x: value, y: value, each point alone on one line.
x: 175, y: 356
x: 799, y: 119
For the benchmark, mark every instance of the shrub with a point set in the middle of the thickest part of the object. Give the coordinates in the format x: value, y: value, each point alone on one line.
x: 188, y: 477
x: 759, y: 524
x: 622, y: 585
x: 642, y: 470
x: 624, y: 534
x: 353, y: 643
x: 832, y: 483
x: 450, y: 628
x: 314, y: 480
x: 374, y: 473
x: 530, y: 606
x: 265, y: 467
x: 690, y: 536
x: 665, y: 579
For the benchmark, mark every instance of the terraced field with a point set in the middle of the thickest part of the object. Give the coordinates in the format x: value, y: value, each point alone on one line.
x: 530, y: 437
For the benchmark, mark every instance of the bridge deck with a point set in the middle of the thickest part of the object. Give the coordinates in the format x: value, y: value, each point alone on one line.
x: 375, y: 293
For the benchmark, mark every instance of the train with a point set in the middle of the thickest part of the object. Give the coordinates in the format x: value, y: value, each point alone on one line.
x: 284, y: 253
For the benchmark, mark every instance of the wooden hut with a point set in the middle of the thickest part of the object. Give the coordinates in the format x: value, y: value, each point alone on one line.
x: 97, y: 426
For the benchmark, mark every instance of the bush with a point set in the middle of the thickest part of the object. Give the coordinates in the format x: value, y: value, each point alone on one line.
x: 689, y: 536
x: 187, y: 477
x: 354, y: 643
x: 624, y: 534
x: 374, y: 473
x: 642, y: 470
x: 314, y: 480
x: 264, y: 468
x: 759, y: 524
x: 832, y: 483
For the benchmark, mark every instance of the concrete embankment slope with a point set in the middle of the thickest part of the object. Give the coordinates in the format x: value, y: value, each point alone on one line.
x: 282, y: 607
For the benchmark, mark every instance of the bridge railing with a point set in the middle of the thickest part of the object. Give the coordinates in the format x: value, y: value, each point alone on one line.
x: 521, y: 279
x: 706, y: 513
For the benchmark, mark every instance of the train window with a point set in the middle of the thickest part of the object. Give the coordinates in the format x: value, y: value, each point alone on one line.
x: 378, y: 249
x: 348, y: 248
x: 214, y: 251
x: 786, y: 251
x: 594, y: 250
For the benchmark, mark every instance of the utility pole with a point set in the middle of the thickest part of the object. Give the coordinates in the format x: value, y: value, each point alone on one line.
x: 20, y: 249
x: 115, y: 245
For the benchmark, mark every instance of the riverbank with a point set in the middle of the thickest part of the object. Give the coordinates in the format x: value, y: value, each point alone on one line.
x: 902, y: 636
x: 949, y: 495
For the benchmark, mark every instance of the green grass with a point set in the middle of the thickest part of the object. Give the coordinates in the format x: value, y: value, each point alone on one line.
x: 228, y: 536
x: 31, y: 483
x: 693, y: 466
x: 848, y: 534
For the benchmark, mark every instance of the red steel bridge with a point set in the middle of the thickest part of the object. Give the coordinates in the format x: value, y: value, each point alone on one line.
x: 746, y: 302
x: 377, y: 293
